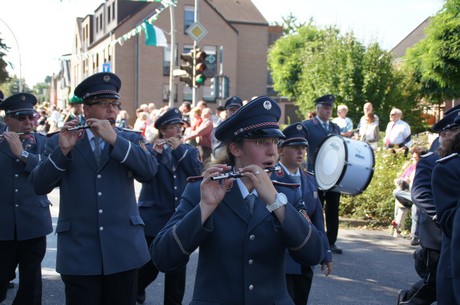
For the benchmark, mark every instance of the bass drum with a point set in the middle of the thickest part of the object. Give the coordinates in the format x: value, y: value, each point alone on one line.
x: 344, y: 165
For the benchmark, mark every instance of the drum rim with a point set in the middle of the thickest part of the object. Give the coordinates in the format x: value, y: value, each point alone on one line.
x: 371, y: 174
x: 344, y: 171
x: 344, y: 165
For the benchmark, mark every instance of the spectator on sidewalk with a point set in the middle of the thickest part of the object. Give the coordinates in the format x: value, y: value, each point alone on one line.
x: 204, y: 135
x: 398, y: 133
x: 403, y: 200
x: 344, y: 122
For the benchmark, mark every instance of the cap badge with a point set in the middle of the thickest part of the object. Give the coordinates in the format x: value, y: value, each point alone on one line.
x: 106, y: 78
x: 22, y: 97
x: 267, y: 105
x: 299, y: 127
x: 176, y: 110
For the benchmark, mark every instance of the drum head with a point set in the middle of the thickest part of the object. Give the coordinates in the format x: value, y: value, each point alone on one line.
x: 330, y: 162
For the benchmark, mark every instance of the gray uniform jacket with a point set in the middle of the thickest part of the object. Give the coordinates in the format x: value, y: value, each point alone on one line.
x: 99, y: 228
x: 313, y: 208
x: 160, y: 197
x: 23, y: 214
x: 241, y: 257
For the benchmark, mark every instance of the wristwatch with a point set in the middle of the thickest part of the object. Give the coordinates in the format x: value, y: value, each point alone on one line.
x: 24, y: 155
x: 280, y: 200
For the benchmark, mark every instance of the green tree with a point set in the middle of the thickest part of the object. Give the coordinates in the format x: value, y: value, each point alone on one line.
x: 4, y: 76
x: 435, y: 60
x: 315, y: 61
x: 284, y: 59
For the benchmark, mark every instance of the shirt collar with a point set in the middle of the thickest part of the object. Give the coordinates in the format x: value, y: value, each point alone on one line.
x: 297, y: 172
x: 244, y: 191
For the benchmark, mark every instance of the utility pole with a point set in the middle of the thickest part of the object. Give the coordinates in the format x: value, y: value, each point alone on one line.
x: 172, y: 87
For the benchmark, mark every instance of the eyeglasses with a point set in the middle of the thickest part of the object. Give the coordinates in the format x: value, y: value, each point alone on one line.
x: 106, y: 105
x: 392, y: 114
x: 265, y: 141
x: 22, y: 118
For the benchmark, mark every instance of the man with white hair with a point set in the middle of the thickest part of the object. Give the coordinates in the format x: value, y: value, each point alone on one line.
x: 398, y: 133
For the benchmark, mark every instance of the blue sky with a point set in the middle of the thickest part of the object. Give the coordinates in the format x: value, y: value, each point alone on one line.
x: 44, y: 30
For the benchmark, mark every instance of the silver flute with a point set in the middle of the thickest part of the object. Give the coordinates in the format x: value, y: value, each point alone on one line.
x: 238, y: 174
x: 19, y: 133
x: 86, y: 126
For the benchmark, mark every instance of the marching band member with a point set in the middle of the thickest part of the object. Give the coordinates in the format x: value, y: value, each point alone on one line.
x: 159, y: 197
x: 292, y: 152
x: 244, y: 224
x: 101, y: 243
x: 25, y: 217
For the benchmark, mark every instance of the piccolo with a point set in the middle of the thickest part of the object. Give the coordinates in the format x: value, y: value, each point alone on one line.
x: 19, y: 133
x: 86, y: 126
x: 239, y: 175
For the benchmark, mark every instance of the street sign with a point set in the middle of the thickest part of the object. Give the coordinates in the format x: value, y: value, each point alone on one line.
x: 196, y: 31
x: 179, y: 72
x: 105, y: 67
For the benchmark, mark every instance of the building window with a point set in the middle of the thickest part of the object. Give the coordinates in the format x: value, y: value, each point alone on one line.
x: 108, y: 14
x: 97, y: 24
x: 166, y: 60
x: 189, y: 16
x: 100, y: 22
x: 113, y: 10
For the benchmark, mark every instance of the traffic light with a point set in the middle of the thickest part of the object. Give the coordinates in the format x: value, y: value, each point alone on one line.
x: 200, y: 67
x: 187, y: 68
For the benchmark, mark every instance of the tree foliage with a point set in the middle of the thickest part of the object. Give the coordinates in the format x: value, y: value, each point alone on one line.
x: 315, y: 61
x: 435, y: 60
x: 4, y: 76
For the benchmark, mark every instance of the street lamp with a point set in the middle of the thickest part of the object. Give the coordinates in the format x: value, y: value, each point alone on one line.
x: 19, y: 52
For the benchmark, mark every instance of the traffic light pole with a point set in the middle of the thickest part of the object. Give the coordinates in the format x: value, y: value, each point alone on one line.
x: 194, y: 99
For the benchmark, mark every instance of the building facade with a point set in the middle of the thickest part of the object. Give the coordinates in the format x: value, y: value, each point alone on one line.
x: 236, y: 43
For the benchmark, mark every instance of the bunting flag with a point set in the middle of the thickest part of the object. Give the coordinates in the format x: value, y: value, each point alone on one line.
x: 154, y: 36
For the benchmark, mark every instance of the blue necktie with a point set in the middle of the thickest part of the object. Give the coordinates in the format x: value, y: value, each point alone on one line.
x: 97, y: 149
x: 250, y: 199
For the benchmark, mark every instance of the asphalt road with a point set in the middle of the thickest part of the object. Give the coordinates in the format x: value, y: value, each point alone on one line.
x: 372, y: 269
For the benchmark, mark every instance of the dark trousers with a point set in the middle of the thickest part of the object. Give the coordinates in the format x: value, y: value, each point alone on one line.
x: 205, y: 153
x: 112, y: 289
x: 423, y: 292
x: 330, y: 201
x: 299, y: 285
x: 174, y: 281
x: 28, y: 255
